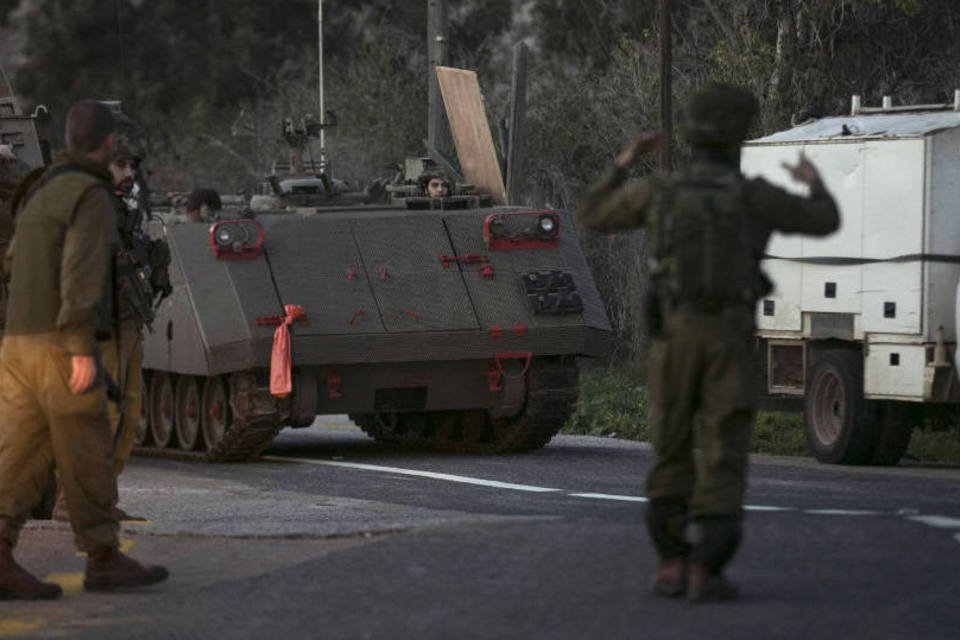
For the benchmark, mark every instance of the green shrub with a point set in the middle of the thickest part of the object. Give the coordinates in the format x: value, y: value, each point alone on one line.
x: 612, y: 403
x: 779, y: 434
x: 934, y: 446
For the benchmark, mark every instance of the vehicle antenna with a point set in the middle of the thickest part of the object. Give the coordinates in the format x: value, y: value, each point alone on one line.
x: 123, y: 55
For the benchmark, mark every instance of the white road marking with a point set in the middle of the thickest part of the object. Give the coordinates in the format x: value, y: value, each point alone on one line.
x: 422, y: 474
x: 841, y: 512
x: 940, y: 522
x: 608, y: 496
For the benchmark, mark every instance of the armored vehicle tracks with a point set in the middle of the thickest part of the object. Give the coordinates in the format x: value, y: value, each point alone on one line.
x: 233, y: 417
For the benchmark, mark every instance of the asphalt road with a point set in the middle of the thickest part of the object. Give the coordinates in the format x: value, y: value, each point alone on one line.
x: 334, y: 536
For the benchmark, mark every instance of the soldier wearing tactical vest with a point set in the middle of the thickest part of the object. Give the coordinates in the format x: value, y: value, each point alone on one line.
x: 52, y: 396
x: 122, y: 354
x: 708, y: 229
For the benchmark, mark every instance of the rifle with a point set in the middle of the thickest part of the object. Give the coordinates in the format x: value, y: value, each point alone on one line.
x: 113, y: 391
x: 133, y: 279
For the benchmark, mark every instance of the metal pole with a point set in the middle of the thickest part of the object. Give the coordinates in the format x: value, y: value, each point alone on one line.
x: 323, y: 159
x: 666, y: 89
x: 436, y: 56
x: 518, y: 107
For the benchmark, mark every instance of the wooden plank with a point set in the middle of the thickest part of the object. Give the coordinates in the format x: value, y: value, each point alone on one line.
x: 471, y: 133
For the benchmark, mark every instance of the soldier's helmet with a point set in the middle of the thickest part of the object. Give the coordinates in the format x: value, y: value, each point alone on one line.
x: 127, y: 145
x: 718, y: 115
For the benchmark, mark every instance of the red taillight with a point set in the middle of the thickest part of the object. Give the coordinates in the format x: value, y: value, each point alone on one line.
x: 236, y: 239
x: 507, y: 231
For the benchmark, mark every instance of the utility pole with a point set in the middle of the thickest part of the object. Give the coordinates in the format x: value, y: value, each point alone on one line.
x: 518, y: 109
x: 666, y: 82
x: 438, y: 129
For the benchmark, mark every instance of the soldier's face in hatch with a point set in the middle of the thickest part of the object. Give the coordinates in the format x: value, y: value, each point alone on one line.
x: 438, y: 188
x: 124, y: 171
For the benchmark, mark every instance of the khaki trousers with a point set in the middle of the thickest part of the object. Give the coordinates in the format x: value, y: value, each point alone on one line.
x: 122, y: 357
x: 45, y: 425
x: 703, y: 371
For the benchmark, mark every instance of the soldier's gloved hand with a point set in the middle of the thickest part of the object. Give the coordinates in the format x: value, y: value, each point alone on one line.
x: 83, y: 373
x: 804, y: 171
x: 643, y: 143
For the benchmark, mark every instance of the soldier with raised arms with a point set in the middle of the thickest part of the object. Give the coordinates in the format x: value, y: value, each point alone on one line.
x: 708, y: 229
x: 52, y: 396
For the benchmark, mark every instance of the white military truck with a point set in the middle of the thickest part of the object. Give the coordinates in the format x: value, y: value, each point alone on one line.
x: 862, y: 323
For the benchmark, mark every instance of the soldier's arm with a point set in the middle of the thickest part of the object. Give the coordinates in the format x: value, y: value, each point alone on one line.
x: 611, y: 205
x: 83, y: 269
x: 816, y: 214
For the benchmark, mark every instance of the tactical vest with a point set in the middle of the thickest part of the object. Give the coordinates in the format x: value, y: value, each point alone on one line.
x: 703, y: 256
x: 140, y: 268
x: 51, y: 200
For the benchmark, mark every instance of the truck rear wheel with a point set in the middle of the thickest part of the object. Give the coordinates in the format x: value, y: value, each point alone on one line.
x: 838, y: 422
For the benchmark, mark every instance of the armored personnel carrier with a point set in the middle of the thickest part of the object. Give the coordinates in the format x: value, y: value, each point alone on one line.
x: 437, y: 322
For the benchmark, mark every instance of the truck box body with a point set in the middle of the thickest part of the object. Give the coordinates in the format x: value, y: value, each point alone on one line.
x: 888, y: 278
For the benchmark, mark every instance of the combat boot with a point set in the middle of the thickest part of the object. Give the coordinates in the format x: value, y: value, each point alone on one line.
x: 670, y: 580
x: 666, y: 523
x: 123, y: 516
x: 17, y: 584
x: 703, y: 587
x: 717, y: 539
x: 110, y: 570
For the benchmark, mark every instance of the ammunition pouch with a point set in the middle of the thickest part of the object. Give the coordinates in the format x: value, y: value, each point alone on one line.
x: 158, y: 257
x: 134, y: 289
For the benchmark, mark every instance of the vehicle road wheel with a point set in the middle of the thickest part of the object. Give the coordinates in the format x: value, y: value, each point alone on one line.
x: 895, y: 426
x: 215, y: 411
x: 161, y: 409
x: 839, y: 424
x: 141, y: 430
x: 188, y: 413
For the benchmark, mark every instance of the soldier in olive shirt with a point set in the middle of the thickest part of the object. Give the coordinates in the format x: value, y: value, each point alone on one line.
x: 53, y: 404
x: 708, y: 229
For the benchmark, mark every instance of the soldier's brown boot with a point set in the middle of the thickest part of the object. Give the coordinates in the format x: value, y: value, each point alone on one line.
x: 17, y: 584
x: 703, y: 587
x: 670, y: 580
x: 110, y: 570
x: 123, y: 516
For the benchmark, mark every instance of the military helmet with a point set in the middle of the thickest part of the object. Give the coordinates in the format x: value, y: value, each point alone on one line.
x: 718, y: 115
x: 127, y: 145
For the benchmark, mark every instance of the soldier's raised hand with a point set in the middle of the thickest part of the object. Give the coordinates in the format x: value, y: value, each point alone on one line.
x: 804, y: 171
x: 645, y: 142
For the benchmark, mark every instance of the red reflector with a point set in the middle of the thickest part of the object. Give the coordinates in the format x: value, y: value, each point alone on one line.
x: 333, y: 385
x: 512, y: 231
